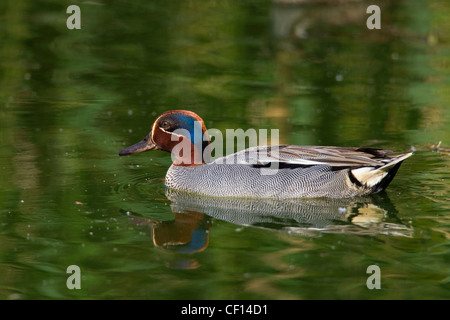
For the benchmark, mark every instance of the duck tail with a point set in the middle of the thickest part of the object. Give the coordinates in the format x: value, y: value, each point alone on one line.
x: 378, y: 178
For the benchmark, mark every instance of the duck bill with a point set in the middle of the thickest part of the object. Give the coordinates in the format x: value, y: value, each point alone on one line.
x: 144, y: 145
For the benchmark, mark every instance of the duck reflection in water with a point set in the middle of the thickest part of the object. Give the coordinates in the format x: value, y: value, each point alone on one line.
x: 366, y: 215
x: 188, y: 232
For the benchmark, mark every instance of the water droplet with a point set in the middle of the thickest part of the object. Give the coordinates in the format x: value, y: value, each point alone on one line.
x: 342, y: 210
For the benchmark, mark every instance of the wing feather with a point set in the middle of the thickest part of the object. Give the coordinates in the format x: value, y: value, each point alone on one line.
x: 312, y: 155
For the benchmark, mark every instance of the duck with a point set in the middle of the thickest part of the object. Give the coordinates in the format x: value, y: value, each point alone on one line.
x: 267, y: 171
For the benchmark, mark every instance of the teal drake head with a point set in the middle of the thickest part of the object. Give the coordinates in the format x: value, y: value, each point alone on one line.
x: 274, y: 171
x: 172, y: 129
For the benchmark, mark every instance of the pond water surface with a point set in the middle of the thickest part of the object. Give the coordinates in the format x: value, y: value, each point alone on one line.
x: 70, y: 100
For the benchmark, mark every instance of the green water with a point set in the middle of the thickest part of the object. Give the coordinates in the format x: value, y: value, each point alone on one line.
x: 70, y: 100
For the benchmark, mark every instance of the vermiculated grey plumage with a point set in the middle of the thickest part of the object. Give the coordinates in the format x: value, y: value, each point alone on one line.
x: 319, y: 172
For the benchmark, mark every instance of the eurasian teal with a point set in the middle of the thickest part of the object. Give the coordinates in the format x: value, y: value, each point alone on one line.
x: 284, y: 171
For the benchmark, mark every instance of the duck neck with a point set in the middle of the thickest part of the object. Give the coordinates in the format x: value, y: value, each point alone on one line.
x: 186, y: 149
x: 188, y: 154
